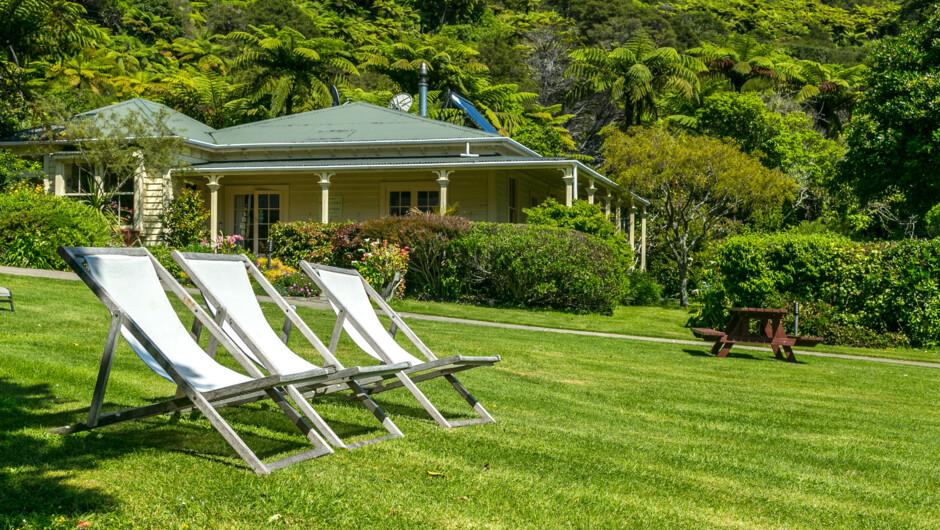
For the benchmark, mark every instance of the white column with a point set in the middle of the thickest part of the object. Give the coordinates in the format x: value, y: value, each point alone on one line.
x: 59, y: 179
x: 607, y: 204
x: 443, y: 179
x: 325, y: 196
x: 643, y: 239
x: 213, y: 186
x: 591, y: 191
x: 569, y: 187
x: 632, y: 226
x: 619, y: 206
x: 574, y: 186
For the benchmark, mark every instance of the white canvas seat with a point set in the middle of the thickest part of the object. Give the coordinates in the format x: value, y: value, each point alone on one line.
x: 128, y: 282
x: 226, y: 287
x: 349, y: 295
x: 6, y: 297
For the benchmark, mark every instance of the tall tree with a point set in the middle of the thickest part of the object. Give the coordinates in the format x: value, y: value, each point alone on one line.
x: 895, y: 136
x: 694, y: 183
x: 634, y: 75
x: 289, y: 72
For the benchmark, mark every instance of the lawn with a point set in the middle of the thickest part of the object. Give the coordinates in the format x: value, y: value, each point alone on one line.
x: 668, y: 321
x: 591, y: 432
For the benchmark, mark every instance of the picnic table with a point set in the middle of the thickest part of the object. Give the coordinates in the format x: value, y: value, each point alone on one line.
x: 770, y: 333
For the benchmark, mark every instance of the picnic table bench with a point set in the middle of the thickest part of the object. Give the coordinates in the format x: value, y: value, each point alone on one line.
x: 770, y: 333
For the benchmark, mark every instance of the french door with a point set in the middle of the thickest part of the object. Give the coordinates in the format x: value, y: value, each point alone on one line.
x: 254, y: 212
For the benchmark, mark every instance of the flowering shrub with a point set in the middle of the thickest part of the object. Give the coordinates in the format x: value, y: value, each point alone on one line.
x: 428, y: 237
x: 380, y: 264
x: 287, y: 280
x: 33, y: 225
x: 225, y: 245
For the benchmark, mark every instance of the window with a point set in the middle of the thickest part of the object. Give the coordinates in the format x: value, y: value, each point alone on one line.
x: 122, y: 197
x: 405, y: 197
x: 80, y: 180
x: 513, y: 201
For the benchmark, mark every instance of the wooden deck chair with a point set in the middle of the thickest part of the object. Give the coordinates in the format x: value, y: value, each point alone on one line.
x: 226, y: 288
x: 128, y: 282
x: 6, y: 297
x: 349, y: 295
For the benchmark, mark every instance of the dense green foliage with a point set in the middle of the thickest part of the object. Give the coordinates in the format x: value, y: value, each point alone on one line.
x: 14, y: 170
x: 33, y: 225
x: 696, y: 182
x: 184, y: 219
x: 450, y: 258
x: 894, y: 141
x: 536, y: 266
x: 866, y: 294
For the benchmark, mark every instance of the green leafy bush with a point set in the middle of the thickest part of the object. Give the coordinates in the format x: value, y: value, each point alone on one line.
x: 33, y: 225
x: 851, y: 293
x: 643, y: 290
x: 184, y: 219
x: 538, y: 266
x: 331, y: 244
x: 427, y: 238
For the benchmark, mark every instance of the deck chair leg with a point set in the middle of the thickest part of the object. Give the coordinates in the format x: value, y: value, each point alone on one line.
x: 376, y: 411
x: 425, y: 402
x: 297, y: 419
x: 337, y: 330
x: 312, y: 415
x: 110, y: 344
x: 470, y: 399
x: 229, y: 434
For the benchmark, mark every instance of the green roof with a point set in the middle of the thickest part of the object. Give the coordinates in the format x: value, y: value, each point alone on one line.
x: 353, y: 122
x: 178, y: 123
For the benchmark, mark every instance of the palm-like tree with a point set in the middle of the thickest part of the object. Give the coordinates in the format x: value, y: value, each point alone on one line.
x: 745, y: 63
x: 207, y: 97
x: 634, y: 76
x: 287, y: 70
x: 830, y: 92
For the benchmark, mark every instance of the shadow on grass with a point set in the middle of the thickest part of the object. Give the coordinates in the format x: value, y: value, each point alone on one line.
x: 734, y: 354
x: 35, y: 470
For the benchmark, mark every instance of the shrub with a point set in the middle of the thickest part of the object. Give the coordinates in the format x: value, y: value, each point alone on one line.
x: 643, y: 290
x: 287, y: 280
x: 184, y: 219
x: 428, y: 238
x: 853, y: 293
x: 33, y: 225
x: 330, y: 244
x: 581, y: 216
x: 538, y: 266
x: 384, y: 265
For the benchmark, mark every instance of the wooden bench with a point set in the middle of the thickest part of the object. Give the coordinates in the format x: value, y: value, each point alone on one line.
x: 738, y: 331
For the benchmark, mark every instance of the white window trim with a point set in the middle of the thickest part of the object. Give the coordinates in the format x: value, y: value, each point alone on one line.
x: 386, y: 187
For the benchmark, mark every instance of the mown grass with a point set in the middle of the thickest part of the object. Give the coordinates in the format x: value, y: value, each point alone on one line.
x: 668, y: 321
x: 591, y: 432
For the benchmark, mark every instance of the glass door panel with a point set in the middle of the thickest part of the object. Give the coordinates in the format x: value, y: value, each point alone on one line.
x: 245, y: 219
x: 269, y: 212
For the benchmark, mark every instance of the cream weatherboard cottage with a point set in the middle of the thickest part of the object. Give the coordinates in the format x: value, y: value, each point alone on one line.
x: 350, y: 162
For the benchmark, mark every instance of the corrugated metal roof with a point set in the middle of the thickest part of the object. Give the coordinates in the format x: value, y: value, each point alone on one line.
x: 353, y: 122
x: 365, y: 162
x: 178, y: 123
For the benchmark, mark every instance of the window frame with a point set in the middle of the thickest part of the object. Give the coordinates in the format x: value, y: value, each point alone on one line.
x: 413, y: 187
x: 229, y: 211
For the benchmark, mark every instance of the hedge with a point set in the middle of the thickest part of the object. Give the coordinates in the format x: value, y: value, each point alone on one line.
x: 538, y: 266
x: 865, y: 294
x: 33, y: 225
x: 450, y: 258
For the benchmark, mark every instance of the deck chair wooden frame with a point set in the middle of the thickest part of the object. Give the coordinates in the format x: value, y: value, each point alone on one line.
x: 188, y: 397
x: 431, y: 369
x: 225, y: 317
x: 6, y: 297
